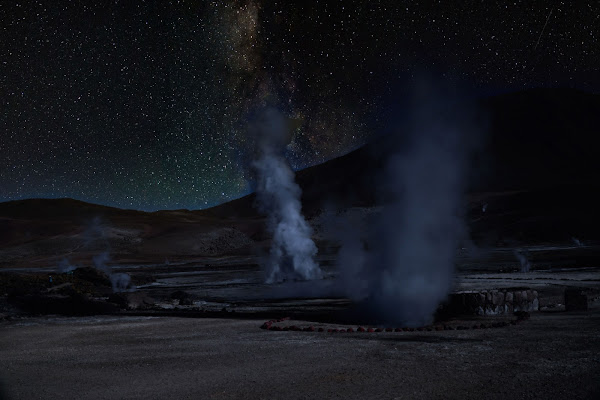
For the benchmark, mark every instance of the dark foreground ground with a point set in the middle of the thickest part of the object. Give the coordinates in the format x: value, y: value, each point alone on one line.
x: 554, y: 355
x: 169, y: 350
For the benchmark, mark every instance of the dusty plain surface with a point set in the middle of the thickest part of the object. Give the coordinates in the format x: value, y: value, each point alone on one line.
x: 554, y: 355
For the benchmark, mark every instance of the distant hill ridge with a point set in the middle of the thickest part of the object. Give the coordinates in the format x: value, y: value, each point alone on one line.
x: 536, y: 138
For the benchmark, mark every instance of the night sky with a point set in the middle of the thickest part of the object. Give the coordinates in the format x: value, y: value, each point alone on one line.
x: 146, y: 105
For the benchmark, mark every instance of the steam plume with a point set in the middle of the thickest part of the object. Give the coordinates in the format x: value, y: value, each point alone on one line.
x: 120, y: 282
x: 65, y: 266
x: 525, y: 264
x: 292, y: 250
x: 96, y: 233
x: 407, y: 271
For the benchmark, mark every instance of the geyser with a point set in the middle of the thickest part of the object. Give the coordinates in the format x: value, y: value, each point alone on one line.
x: 119, y: 281
x: 278, y: 196
x: 405, y: 270
x: 96, y: 232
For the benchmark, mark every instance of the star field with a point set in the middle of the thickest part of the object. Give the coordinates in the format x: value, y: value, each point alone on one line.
x: 146, y: 104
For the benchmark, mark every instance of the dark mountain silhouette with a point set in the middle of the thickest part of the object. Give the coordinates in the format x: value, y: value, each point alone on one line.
x: 534, y: 139
x: 541, y: 137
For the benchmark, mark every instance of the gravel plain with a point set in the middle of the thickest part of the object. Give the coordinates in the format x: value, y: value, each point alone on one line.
x: 553, y: 355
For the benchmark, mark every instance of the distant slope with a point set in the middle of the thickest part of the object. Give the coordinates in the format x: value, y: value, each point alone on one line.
x: 343, y: 181
x: 558, y: 213
x: 58, y: 209
x: 541, y: 137
x: 535, y: 138
x: 45, y: 231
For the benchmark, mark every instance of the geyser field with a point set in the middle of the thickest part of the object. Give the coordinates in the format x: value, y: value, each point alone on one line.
x: 400, y: 270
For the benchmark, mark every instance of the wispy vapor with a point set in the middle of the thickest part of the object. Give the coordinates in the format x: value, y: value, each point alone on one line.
x: 408, y: 268
x: 292, y: 250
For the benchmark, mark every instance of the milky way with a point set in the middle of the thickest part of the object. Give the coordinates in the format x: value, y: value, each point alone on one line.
x: 146, y: 104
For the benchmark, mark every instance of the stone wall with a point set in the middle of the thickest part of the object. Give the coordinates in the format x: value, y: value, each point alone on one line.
x: 491, y: 302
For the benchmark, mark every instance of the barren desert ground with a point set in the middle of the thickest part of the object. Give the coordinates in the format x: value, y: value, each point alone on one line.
x: 552, y: 355
x: 156, y: 354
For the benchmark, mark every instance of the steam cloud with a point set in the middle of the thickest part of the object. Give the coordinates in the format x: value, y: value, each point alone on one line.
x: 65, y: 266
x: 95, y: 235
x: 120, y: 282
x: 292, y: 250
x: 525, y: 264
x: 408, y: 268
